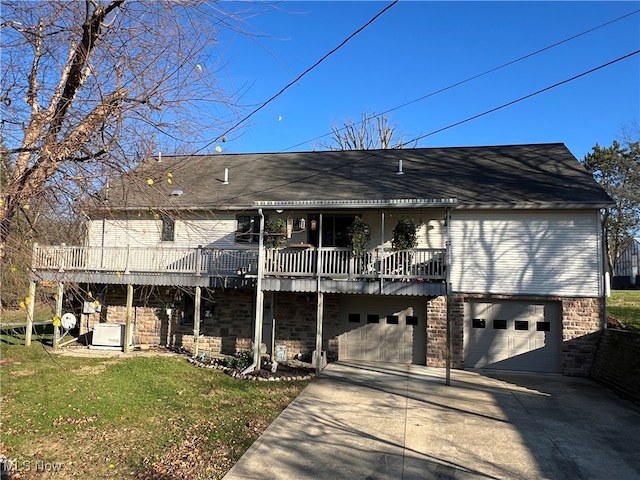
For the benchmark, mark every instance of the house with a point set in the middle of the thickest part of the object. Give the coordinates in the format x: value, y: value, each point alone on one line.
x: 627, y: 266
x: 507, y: 271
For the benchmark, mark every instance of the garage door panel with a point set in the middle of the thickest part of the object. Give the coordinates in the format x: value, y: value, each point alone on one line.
x: 391, y: 329
x: 511, y: 338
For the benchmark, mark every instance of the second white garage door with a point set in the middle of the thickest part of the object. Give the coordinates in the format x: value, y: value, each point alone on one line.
x: 513, y: 335
x: 385, y: 329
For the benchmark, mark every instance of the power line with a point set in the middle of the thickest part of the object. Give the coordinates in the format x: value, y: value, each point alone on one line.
x: 504, y: 105
x: 486, y: 112
x: 297, y: 79
x: 474, y: 77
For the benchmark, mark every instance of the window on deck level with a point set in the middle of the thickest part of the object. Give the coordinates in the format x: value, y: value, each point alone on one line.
x: 248, y: 230
x: 168, y: 229
x: 334, y: 230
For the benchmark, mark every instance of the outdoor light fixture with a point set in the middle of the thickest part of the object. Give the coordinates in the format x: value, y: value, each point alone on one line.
x: 302, y: 224
x: 314, y: 224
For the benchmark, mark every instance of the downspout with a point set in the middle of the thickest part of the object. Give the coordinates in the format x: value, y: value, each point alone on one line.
x: 605, y: 289
x: 448, y: 291
x: 259, y: 300
x: 381, y: 254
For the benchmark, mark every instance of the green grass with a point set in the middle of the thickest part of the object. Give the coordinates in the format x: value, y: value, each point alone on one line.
x: 155, y: 417
x: 624, y: 306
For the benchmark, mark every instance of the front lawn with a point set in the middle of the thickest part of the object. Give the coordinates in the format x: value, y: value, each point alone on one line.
x: 624, y: 306
x: 148, y: 417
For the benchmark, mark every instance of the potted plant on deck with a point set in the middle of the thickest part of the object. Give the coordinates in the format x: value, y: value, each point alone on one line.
x: 359, y: 235
x: 276, y: 233
x: 405, y: 236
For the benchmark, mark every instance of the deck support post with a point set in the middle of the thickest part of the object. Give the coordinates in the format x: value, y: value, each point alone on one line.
x: 449, y: 292
x: 319, y: 319
x: 196, y: 321
x: 30, y: 311
x: 128, y: 320
x: 56, y: 325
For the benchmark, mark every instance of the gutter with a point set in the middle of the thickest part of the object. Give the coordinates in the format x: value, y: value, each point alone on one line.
x: 259, y: 300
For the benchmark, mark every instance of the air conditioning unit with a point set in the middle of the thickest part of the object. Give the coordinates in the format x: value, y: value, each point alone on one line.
x: 108, y: 336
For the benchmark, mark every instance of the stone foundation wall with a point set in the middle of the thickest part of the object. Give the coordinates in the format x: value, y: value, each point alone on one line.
x: 228, y: 327
x: 581, y: 324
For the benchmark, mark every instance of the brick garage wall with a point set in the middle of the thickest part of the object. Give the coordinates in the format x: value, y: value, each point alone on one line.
x: 617, y: 363
x: 296, y: 314
x: 581, y: 324
x: 437, y: 331
x: 581, y: 319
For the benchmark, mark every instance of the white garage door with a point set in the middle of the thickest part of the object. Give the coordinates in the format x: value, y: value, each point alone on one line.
x: 386, y: 329
x: 511, y: 335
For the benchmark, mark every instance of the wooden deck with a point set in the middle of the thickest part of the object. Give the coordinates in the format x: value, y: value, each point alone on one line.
x: 198, y: 266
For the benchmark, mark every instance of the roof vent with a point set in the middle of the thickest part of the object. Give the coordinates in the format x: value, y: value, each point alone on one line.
x: 159, y: 157
x: 177, y: 192
x: 226, y: 177
x: 400, y: 171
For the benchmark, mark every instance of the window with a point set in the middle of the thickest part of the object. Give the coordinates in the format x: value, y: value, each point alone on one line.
x: 478, y: 323
x: 248, y: 230
x: 373, y: 318
x: 543, y: 326
x: 411, y: 320
x: 392, y: 319
x: 522, y: 325
x: 334, y: 230
x: 499, y: 324
x: 354, y: 318
x: 168, y: 229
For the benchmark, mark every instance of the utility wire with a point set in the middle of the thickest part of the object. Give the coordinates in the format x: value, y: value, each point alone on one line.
x: 504, y: 105
x: 474, y: 77
x: 297, y: 79
x: 486, y: 112
x: 469, y: 79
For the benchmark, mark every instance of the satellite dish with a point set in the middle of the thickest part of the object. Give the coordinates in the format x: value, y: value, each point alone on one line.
x: 68, y: 321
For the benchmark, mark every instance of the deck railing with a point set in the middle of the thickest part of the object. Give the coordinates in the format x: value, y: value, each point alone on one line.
x: 338, y: 263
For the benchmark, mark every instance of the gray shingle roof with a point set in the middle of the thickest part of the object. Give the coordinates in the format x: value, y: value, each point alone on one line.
x: 513, y: 176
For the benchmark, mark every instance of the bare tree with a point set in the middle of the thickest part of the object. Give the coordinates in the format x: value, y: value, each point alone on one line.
x: 372, y: 132
x: 90, y: 87
x: 87, y: 89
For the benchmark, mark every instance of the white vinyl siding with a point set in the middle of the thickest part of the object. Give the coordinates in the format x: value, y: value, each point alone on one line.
x: 526, y: 253
x: 146, y: 232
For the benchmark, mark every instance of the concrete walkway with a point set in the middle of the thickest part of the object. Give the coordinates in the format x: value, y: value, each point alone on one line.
x: 384, y: 421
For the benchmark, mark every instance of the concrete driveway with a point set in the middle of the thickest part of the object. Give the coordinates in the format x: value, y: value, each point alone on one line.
x: 385, y: 421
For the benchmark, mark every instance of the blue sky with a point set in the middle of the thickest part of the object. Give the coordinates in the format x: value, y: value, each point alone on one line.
x: 416, y: 48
